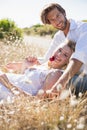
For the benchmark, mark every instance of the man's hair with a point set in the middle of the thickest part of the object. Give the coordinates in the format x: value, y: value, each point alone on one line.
x: 49, y: 8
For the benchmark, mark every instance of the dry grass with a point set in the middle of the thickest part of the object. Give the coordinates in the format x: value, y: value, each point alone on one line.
x: 31, y: 113
x: 17, y: 52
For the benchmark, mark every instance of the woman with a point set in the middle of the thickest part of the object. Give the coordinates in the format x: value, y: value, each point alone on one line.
x: 38, y: 76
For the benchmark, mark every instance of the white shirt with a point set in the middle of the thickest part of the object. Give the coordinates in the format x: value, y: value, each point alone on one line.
x: 77, y: 33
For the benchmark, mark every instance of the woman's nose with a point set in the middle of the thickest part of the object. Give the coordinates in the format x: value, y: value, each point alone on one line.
x: 60, y: 54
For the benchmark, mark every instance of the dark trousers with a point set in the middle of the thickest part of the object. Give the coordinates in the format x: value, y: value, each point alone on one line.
x: 78, y: 84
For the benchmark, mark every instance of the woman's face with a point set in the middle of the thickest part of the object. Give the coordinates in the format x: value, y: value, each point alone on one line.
x: 60, y: 57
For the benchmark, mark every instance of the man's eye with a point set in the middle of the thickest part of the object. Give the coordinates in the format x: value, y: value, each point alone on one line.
x: 58, y: 16
x: 60, y: 50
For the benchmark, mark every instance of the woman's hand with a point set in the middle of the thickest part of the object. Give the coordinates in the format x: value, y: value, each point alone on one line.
x: 29, y: 62
x: 47, y: 94
x: 32, y: 60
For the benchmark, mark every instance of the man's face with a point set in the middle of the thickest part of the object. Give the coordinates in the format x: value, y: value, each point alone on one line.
x: 57, y: 19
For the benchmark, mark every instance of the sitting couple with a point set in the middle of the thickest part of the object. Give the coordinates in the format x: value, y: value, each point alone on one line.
x: 37, y: 76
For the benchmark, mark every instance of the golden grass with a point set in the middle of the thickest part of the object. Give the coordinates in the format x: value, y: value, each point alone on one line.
x: 31, y: 113
x: 17, y: 52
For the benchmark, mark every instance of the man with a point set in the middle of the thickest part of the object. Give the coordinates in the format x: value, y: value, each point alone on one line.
x: 55, y: 15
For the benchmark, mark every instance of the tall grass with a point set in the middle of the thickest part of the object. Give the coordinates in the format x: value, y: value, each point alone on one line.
x: 32, y: 113
x: 16, y: 52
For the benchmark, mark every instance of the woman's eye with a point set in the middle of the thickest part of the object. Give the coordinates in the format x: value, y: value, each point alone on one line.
x: 65, y: 55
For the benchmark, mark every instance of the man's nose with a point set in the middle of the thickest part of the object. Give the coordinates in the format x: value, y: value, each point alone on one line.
x: 56, y: 21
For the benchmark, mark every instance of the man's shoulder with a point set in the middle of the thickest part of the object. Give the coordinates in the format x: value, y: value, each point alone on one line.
x: 74, y: 23
x: 78, y: 26
x: 59, y: 33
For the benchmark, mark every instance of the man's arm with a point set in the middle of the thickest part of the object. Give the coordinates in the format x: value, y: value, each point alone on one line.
x: 72, y: 68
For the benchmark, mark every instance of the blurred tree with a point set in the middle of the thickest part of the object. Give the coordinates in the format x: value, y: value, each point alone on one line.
x: 9, y: 31
x: 41, y: 30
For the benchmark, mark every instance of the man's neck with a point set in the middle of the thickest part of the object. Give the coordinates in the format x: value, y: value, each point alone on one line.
x: 67, y: 28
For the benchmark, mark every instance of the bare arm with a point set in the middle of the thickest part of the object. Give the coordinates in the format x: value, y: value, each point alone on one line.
x: 51, y: 79
x: 21, y: 66
x: 72, y: 68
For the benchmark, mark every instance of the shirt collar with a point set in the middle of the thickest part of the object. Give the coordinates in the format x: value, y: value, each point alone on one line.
x: 73, y: 24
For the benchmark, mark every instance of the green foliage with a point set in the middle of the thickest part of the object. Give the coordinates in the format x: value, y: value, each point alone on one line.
x: 41, y: 30
x: 9, y: 31
x: 84, y: 20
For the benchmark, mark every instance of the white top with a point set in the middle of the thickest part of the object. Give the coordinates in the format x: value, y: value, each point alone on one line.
x: 31, y: 81
x: 77, y: 33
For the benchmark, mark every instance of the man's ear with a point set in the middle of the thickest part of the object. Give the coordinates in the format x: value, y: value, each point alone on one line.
x: 65, y: 14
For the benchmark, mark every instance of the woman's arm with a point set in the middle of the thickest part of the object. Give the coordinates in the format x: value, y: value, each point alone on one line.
x: 51, y: 79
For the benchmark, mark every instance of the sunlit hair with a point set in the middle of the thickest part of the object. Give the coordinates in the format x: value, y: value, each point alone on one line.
x: 49, y: 8
x: 71, y: 44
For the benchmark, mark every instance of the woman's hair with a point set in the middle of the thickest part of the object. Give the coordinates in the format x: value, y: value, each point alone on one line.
x: 49, y: 8
x: 71, y: 44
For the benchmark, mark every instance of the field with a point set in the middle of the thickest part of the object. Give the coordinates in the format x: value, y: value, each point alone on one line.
x: 32, y: 113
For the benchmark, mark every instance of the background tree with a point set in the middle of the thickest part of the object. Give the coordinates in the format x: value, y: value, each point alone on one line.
x: 9, y: 30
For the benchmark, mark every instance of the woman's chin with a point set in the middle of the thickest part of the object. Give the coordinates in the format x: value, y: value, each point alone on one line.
x: 49, y: 62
